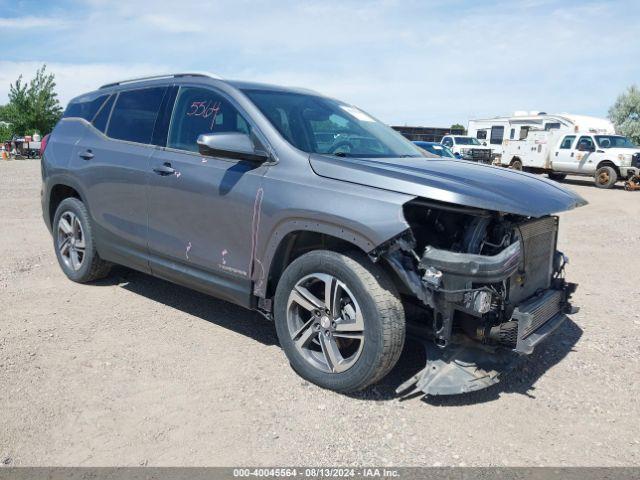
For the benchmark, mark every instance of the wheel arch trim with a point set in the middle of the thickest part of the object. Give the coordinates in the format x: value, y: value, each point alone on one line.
x: 263, y: 267
x: 60, y: 181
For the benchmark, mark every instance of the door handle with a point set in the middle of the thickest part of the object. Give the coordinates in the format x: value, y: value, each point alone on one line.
x: 164, y: 169
x: 572, y: 153
x: 86, y: 155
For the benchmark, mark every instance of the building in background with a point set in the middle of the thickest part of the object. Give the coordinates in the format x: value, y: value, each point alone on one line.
x: 427, y: 134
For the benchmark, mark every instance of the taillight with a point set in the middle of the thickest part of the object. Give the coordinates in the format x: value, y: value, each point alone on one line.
x: 43, y: 144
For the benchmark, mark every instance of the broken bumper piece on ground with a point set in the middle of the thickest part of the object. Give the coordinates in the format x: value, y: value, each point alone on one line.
x: 450, y: 282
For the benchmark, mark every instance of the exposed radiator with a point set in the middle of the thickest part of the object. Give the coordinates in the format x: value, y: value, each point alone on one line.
x: 538, y: 239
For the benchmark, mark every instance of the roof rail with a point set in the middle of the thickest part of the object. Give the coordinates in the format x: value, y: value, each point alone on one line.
x: 158, y: 77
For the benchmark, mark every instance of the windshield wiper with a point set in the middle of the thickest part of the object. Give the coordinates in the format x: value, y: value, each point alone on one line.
x: 341, y: 154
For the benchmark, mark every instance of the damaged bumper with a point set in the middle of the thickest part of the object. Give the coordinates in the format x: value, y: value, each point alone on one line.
x: 487, y: 311
x: 466, y: 366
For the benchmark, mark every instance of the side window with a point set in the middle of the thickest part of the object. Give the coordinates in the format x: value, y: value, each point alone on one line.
x: 134, y: 114
x: 447, y: 142
x: 497, y: 134
x: 567, y: 142
x: 551, y: 126
x: 198, y: 111
x: 101, y: 118
x: 481, y: 134
x: 512, y: 134
x: 524, y: 133
x: 85, y: 107
x: 586, y: 144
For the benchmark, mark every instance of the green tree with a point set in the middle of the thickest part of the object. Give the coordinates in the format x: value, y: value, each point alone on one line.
x: 625, y: 113
x: 457, y: 126
x: 34, y: 106
x: 6, y: 132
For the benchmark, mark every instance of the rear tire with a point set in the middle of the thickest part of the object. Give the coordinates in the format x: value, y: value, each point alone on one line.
x: 606, y: 177
x: 558, y: 177
x: 366, y: 297
x: 74, y: 243
x: 516, y: 165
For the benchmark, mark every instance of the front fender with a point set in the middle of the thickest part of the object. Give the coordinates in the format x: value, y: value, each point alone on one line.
x: 359, y: 215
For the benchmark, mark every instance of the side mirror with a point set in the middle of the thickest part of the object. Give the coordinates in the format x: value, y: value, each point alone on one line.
x: 484, y: 144
x: 230, y: 145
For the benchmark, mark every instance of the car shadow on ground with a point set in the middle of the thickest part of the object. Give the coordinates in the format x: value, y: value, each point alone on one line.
x: 206, y: 307
x: 413, y: 359
x: 520, y: 380
x: 587, y: 182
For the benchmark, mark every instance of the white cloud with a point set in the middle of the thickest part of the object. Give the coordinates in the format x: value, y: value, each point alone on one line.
x: 28, y: 22
x: 430, y: 63
x: 172, y: 24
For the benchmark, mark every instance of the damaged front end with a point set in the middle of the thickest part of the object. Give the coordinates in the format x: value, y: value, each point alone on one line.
x: 489, y: 287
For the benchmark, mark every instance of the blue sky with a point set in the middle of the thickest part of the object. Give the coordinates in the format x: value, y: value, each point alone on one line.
x: 407, y: 62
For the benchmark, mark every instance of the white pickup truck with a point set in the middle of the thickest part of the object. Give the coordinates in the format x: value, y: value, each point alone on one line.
x: 608, y: 158
x: 467, y: 148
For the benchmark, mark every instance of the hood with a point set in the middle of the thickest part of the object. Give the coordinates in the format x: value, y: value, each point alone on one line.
x: 621, y: 151
x: 453, y: 181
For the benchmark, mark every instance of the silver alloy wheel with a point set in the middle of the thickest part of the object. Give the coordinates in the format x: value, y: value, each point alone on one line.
x: 70, y: 240
x: 325, y: 323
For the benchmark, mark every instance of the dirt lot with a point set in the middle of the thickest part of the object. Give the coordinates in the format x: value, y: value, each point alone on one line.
x: 134, y: 370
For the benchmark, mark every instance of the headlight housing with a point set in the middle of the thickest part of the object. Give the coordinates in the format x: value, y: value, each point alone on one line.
x: 625, y: 159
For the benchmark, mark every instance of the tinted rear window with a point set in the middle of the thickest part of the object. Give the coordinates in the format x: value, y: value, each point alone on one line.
x: 85, y: 107
x: 134, y: 114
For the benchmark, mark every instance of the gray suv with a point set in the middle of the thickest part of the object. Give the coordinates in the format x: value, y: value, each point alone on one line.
x: 318, y: 216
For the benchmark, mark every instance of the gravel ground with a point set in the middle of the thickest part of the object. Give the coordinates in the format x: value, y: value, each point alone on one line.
x: 136, y: 371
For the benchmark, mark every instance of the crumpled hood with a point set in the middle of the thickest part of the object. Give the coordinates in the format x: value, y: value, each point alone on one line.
x: 453, y: 181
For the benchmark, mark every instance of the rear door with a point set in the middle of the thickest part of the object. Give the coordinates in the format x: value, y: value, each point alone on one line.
x: 113, y: 164
x: 202, y: 210
x: 564, y: 156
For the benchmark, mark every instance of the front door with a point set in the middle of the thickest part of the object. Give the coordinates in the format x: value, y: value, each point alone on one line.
x: 202, y: 210
x: 584, y: 155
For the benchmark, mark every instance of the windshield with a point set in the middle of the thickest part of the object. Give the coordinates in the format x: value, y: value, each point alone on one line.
x: 466, y: 141
x: 614, y: 141
x: 316, y: 124
x: 436, y: 149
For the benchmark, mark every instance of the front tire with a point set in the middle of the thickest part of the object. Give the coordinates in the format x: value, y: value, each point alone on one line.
x: 74, y: 243
x: 558, y: 177
x: 606, y: 177
x: 339, y: 319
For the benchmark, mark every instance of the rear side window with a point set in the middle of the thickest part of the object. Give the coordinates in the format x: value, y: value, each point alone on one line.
x: 85, y: 107
x: 101, y: 118
x: 198, y: 111
x: 134, y: 115
x: 567, y: 142
x: 497, y: 134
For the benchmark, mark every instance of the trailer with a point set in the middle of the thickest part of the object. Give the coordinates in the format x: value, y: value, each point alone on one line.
x: 500, y: 131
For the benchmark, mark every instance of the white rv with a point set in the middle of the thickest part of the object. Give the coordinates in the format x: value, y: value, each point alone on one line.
x: 499, y: 131
x: 607, y: 158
